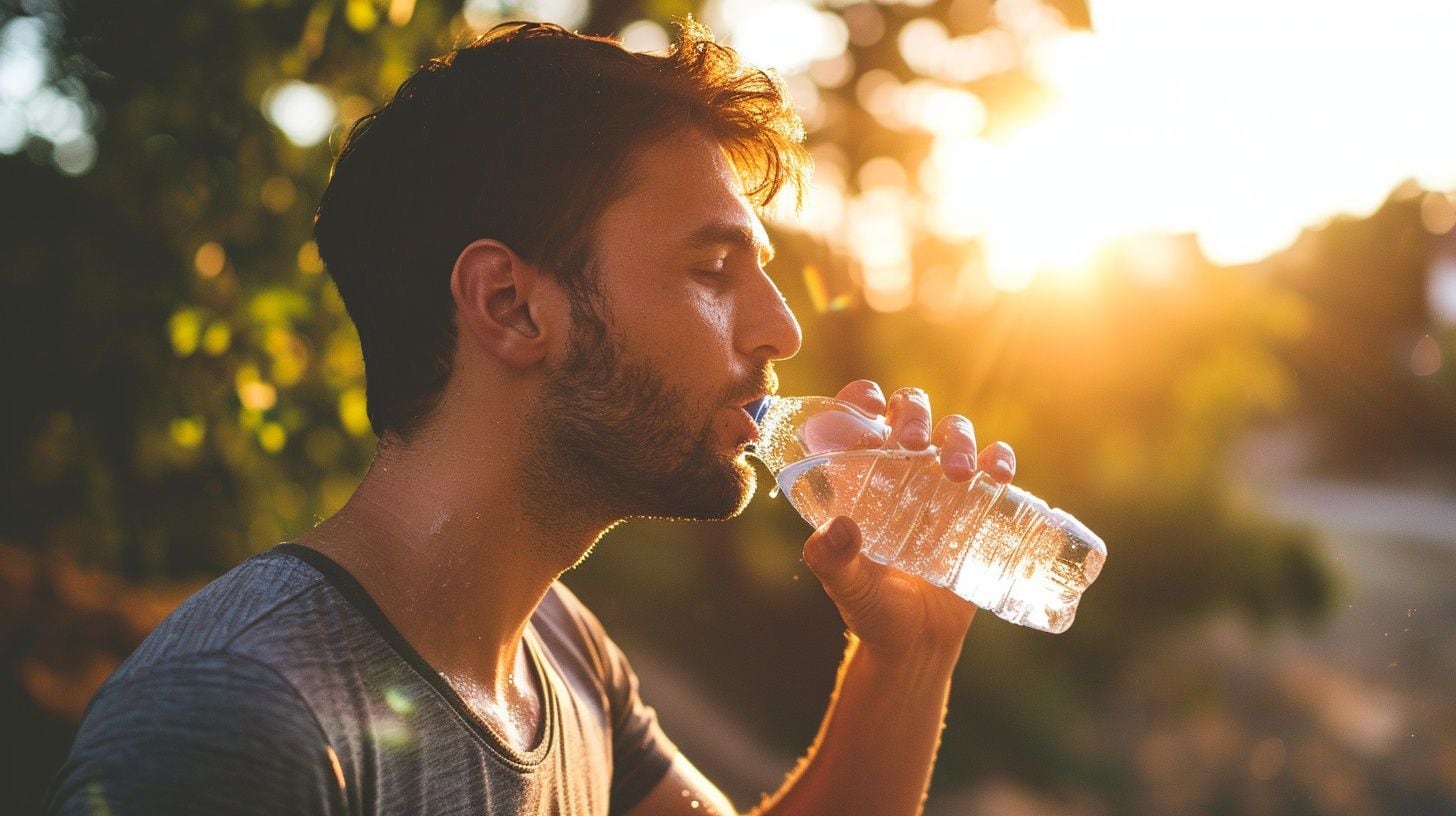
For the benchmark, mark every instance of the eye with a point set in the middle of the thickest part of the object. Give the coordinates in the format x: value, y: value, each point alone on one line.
x: 715, y: 270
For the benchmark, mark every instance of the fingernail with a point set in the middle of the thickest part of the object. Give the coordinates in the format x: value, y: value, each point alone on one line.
x: 962, y: 461
x: 841, y: 538
x: 918, y: 431
x: 1008, y: 465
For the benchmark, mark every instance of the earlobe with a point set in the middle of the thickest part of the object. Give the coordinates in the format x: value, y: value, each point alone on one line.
x: 495, y: 295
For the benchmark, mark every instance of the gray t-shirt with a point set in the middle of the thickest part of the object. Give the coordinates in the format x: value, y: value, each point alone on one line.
x: 282, y: 688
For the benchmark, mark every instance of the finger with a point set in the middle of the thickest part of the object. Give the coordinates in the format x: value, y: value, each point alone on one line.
x: 864, y: 394
x: 909, y: 415
x: 999, y: 460
x: 832, y: 554
x: 956, y: 438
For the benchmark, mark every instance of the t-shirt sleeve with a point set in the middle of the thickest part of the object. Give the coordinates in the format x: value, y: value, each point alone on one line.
x: 217, y: 734
x: 641, y: 752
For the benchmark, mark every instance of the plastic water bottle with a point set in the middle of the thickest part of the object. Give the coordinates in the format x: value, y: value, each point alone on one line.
x: 997, y: 546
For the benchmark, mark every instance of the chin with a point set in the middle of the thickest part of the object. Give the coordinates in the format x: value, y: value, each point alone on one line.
x: 718, y: 496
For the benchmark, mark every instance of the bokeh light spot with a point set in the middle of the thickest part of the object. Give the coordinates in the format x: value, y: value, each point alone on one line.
x: 272, y: 437
x: 289, y: 354
x: 644, y: 35
x: 253, y: 392
x: 882, y: 171
x: 184, y: 328
x: 304, y: 112
x: 23, y: 61
x: 569, y: 14
x: 865, y: 24
x: 209, y: 259
x: 1438, y: 213
x: 922, y: 43
x: 362, y: 15
x: 876, y: 91
x: 786, y: 35
x: 833, y: 72
x: 277, y: 193
x: 187, y: 432
x: 217, y: 338
x: 1425, y: 357
x: 400, y: 12
x: 76, y: 155
x: 309, y: 262
x: 353, y: 412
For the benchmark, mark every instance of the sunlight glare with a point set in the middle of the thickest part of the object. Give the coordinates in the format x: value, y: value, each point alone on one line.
x: 786, y: 35
x: 878, y: 241
x: 1154, y: 128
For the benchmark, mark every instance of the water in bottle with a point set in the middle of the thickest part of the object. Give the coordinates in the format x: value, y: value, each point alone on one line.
x: 995, y: 545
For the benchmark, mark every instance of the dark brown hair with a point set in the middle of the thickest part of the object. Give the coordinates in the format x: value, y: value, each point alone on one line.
x: 523, y: 135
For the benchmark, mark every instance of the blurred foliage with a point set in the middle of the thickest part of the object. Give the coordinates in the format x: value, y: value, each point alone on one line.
x: 186, y: 389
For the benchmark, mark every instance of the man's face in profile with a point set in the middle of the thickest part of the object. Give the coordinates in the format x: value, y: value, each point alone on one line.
x: 646, y: 408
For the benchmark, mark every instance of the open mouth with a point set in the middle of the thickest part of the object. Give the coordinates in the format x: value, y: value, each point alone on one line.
x: 755, y: 409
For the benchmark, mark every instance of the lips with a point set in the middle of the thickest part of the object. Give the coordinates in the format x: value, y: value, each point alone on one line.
x: 747, y: 428
x: 755, y: 408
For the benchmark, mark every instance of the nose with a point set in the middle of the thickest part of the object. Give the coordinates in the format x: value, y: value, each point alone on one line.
x: 768, y: 328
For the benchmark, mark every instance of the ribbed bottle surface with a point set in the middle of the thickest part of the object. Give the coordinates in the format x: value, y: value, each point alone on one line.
x: 997, y: 546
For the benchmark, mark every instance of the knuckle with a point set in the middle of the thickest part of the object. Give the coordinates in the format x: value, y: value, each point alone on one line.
x: 860, y: 595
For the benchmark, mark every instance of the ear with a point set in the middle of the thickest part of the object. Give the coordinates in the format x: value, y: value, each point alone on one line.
x: 500, y: 302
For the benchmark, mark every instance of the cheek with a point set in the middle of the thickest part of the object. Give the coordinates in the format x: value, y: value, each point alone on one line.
x: 697, y: 319
x: 714, y: 328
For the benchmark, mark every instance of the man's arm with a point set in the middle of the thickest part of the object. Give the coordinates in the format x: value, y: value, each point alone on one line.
x: 877, y: 744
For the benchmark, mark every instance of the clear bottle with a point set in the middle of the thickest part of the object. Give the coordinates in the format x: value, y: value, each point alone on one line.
x: 997, y: 546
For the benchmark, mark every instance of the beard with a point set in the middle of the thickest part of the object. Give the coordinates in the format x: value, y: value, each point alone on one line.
x: 612, y: 438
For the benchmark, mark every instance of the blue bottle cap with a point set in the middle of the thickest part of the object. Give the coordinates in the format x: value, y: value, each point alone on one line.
x: 758, y: 408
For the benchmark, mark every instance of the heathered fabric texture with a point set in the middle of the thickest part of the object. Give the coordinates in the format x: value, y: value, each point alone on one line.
x: 282, y: 688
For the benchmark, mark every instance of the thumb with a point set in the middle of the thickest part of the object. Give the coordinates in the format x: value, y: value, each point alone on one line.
x: 832, y: 553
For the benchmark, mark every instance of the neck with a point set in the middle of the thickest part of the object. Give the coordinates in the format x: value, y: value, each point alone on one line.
x: 444, y: 539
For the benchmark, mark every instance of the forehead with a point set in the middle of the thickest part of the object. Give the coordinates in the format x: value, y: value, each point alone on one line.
x: 680, y: 189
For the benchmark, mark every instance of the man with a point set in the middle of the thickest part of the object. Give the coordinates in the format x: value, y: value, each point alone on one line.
x: 548, y: 246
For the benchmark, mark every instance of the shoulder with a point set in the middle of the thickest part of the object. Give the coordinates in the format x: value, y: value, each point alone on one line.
x: 561, y: 603
x: 216, y: 732
x: 258, y: 594
x: 566, y: 624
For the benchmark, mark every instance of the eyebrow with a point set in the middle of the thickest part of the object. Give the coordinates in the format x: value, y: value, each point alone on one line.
x: 738, y: 235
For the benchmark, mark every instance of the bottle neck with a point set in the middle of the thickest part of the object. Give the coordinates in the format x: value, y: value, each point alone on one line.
x: 795, y: 428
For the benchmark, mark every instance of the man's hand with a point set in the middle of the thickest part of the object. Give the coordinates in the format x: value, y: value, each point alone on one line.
x: 876, y: 748
x: 894, y: 614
